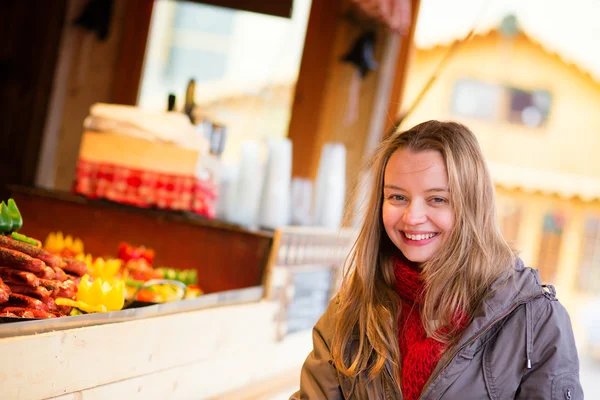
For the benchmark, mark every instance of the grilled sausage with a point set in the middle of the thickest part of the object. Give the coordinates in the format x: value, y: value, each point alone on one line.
x: 40, y: 292
x: 10, y: 275
x: 51, y: 285
x: 46, y: 273
x: 19, y: 300
x: 31, y: 250
x: 24, y: 312
x: 60, y: 274
x: 73, y: 266
x: 4, y: 292
x: 16, y: 259
x: 67, y: 289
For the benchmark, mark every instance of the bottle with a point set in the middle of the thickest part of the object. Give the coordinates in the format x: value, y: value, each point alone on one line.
x: 171, y: 102
x: 189, y: 106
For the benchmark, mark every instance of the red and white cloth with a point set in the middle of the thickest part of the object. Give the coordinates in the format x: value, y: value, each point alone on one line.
x: 143, y: 188
x: 395, y: 14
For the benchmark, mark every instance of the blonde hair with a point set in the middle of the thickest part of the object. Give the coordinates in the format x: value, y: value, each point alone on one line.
x: 456, y: 279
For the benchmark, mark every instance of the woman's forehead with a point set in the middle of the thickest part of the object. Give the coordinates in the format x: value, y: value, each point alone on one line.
x: 408, y: 165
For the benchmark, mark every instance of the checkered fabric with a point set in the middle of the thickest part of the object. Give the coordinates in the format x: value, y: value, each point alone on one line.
x: 143, y: 188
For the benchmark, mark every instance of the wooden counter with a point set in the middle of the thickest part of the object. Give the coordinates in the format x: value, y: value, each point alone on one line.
x: 191, y: 355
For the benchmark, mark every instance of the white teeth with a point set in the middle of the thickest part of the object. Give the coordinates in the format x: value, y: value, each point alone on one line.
x: 420, y: 236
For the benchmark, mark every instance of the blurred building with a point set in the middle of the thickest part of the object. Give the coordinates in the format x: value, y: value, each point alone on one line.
x: 535, y: 117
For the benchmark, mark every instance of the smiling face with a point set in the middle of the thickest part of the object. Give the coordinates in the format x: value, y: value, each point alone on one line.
x: 417, y: 214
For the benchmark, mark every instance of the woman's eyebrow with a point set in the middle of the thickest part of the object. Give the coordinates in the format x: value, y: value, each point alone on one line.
x: 443, y: 189
x: 393, y: 187
x: 437, y: 190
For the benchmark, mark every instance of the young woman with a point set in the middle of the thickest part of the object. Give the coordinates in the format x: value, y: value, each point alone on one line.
x: 434, y: 303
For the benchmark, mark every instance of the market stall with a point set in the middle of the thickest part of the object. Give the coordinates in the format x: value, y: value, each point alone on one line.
x: 68, y: 343
x: 241, y: 325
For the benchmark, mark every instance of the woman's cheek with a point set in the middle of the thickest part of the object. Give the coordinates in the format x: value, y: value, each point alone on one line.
x: 389, y: 215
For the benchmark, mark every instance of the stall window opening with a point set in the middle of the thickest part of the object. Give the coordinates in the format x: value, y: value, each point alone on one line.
x: 244, y: 65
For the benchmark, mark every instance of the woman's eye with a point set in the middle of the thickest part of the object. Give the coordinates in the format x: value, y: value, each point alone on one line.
x: 439, y: 200
x: 397, y: 197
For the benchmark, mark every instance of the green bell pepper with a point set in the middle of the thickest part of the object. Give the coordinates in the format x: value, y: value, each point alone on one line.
x: 186, y: 276
x: 25, y: 239
x: 15, y: 215
x: 6, y: 223
x: 10, y: 217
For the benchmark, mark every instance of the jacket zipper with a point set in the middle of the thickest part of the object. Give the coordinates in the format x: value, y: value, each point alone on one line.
x: 474, y: 338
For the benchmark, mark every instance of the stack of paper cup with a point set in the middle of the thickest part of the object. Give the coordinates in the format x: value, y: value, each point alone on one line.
x: 275, y: 199
x: 228, y: 176
x: 330, y: 190
x: 249, y: 185
x: 301, y: 201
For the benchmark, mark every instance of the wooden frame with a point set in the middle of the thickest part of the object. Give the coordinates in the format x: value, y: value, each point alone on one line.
x: 278, y: 8
x: 130, y: 62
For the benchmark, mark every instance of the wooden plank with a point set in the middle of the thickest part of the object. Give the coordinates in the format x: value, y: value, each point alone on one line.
x: 224, y: 377
x: 59, y: 363
x: 130, y: 60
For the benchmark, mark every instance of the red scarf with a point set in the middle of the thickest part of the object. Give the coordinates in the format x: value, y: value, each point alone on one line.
x: 420, y: 354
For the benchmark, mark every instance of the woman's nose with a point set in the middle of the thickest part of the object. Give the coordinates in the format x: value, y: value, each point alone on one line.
x: 414, y: 214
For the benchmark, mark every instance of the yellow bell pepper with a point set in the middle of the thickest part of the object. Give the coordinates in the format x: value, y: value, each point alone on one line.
x: 105, y: 269
x: 58, y: 243
x: 97, y: 296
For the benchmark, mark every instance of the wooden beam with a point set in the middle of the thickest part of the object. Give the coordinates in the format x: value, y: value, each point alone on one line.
x: 130, y: 60
x: 396, y: 98
x: 312, y: 78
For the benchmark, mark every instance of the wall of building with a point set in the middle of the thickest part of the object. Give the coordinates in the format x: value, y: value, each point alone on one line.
x: 568, y: 143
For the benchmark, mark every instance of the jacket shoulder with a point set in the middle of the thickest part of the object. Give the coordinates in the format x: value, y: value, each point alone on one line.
x: 553, y: 353
x: 326, y: 324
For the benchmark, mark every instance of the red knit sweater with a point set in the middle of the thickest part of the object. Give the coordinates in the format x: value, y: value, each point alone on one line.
x: 420, y: 354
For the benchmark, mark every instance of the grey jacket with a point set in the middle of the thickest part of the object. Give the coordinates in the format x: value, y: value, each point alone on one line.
x: 519, y: 345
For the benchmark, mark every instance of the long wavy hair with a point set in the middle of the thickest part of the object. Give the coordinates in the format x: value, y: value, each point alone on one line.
x: 456, y: 278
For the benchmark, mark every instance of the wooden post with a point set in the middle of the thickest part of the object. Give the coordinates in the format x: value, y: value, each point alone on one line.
x: 316, y: 68
x: 322, y: 89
